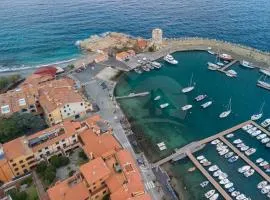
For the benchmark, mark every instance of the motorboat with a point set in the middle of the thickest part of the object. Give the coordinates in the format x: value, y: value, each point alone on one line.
x: 204, y: 184
x: 261, y: 136
x: 231, y: 189
x: 262, y: 83
x: 213, y: 168
x: 225, y: 56
x: 235, y: 193
x: 157, y: 98
x: 217, y: 173
x: 244, y: 169
x: 156, y: 64
x: 265, y: 72
x: 246, y: 127
x: 256, y: 133
x: 247, y: 64
x: 265, y: 190
x: 263, y: 163
x: 223, y: 152
x: 214, y: 197
x: 221, y: 148
x: 228, y: 111
x: 228, y: 155
x: 216, y: 141
x: 164, y: 105
x: 145, y: 68
x: 268, y: 145
x: 244, y: 148
x: 259, y: 160
x: 240, y: 197
x: 230, y: 135
x: 207, y: 104
x: 258, y: 115
x: 228, y: 185
x: 138, y: 71
x: 203, y: 160
x: 212, y: 66
x: 250, y: 151
x: 251, y: 130
x: 209, y: 193
x: 249, y: 172
x: 186, y: 107
x: 265, y: 140
x: 233, y: 159
x: 262, y: 184
x: 207, y: 163
x: 240, y: 145
x: 220, y: 64
x: 170, y: 59
x: 224, y: 181
x: 200, y: 157
x: 200, y: 97
x: 265, y: 123
x: 231, y: 73
x: 222, y: 176
x: 190, y: 87
x: 211, y: 52
x: 237, y: 141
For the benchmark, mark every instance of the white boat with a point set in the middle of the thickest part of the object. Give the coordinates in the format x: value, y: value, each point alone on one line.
x: 231, y: 73
x: 230, y: 135
x: 211, y: 52
x: 207, y: 104
x: 145, y: 68
x: 250, y: 151
x: 164, y: 105
x: 240, y: 145
x: 200, y: 157
x: 246, y: 127
x: 228, y: 185
x: 228, y: 155
x: 203, y: 160
x: 228, y: 111
x: 266, y: 72
x: 261, y: 136
x: 259, y: 114
x: 157, y: 98
x: 223, y: 176
x: 256, y: 133
x: 262, y: 82
x: 216, y: 141
x: 244, y: 169
x: 190, y: 87
x: 265, y: 123
x: 247, y: 64
x: 251, y: 130
x: 240, y: 197
x: 224, y: 181
x: 261, y: 184
x: 213, y: 168
x: 170, y: 59
x: 268, y: 145
x: 200, y: 97
x: 186, y: 107
x: 233, y: 159
x: 156, y: 64
x: 223, y: 152
x: 220, y: 64
x: 249, y: 172
x: 214, y: 197
x: 225, y: 56
x: 244, y: 148
x: 209, y: 193
x: 265, y: 190
x: 263, y: 163
x: 217, y: 173
x: 212, y: 66
x: 237, y: 141
x: 259, y: 160
x: 231, y: 189
x: 204, y: 184
x: 235, y: 193
x: 265, y: 140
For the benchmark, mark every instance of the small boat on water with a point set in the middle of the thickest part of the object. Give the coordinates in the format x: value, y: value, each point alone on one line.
x: 241, y: 197
x: 217, y: 173
x: 235, y: 193
x: 265, y: 72
x: 223, y: 152
x: 228, y: 185
x: 233, y: 159
x: 213, y: 168
x: 268, y: 145
x: 164, y: 105
x: 231, y: 189
x: 265, y: 123
x: 190, y: 87
x: 186, y: 107
x: 259, y: 114
x: 170, y: 59
x: 261, y: 136
x: 212, y: 66
x: 224, y: 181
x: 203, y: 160
x: 263, y: 163
x: 228, y: 155
x: 247, y: 64
x: 200, y: 157
x: 157, y: 98
x: 249, y: 172
x: 216, y: 141
x: 261, y: 184
x: 211, y: 52
x: 252, y: 130
x: 256, y: 133
x: 220, y: 64
x: 207, y: 104
x: 259, y: 160
x: 244, y: 148
x: 209, y: 193
x: 231, y: 73
x: 230, y: 135
x: 228, y: 111
x: 237, y: 141
x: 214, y: 197
x: 156, y: 64
x: 262, y: 83
x: 204, y: 184
x: 145, y: 68
x: 265, y: 140
x: 207, y: 163
x: 250, y: 151
x: 243, y: 168
x: 200, y: 97
x: 246, y: 127
x: 138, y: 71
x: 226, y: 57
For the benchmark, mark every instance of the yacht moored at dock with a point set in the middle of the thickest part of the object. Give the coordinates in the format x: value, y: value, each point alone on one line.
x: 265, y: 72
x: 226, y: 57
x: 170, y: 59
x: 247, y: 64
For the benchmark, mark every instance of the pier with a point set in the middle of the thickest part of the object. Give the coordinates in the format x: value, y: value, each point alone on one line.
x: 132, y: 95
x: 228, y: 65
x: 209, y: 177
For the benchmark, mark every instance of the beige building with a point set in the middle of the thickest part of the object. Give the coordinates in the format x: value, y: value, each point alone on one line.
x: 157, y: 37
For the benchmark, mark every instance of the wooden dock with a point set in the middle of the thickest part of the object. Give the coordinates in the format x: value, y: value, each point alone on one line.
x: 209, y: 177
x: 132, y: 95
x: 228, y: 65
x: 247, y: 160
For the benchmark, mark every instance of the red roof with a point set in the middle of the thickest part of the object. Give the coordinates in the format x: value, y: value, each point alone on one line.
x: 51, y: 70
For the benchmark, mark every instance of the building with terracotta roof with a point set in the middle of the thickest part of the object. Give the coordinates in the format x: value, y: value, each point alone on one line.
x: 122, y: 56
x: 142, y: 43
x: 61, y: 101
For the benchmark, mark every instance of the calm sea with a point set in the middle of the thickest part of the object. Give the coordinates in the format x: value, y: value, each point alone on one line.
x: 40, y: 32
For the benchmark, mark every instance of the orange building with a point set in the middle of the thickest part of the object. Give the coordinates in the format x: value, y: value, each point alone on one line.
x: 6, y: 173
x: 122, y: 56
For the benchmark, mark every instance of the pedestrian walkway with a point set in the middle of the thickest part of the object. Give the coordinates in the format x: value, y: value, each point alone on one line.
x: 150, y: 185
x: 126, y: 145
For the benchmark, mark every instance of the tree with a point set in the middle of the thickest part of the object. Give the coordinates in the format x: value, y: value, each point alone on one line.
x: 59, y: 161
x: 49, y: 174
x: 41, y: 167
x: 19, y: 124
x: 82, y: 155
x: 18, y: 195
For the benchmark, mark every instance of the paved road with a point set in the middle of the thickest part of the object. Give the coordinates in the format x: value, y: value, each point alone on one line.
x: 111, y: 112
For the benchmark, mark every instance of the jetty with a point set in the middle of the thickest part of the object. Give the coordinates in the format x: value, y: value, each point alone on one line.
x: 132, y: 95
x: 228, y: 65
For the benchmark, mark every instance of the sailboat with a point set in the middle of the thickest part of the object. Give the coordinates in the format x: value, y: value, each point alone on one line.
x: 263, y: 83
x: 190, y: 87
x: 258, y: 115
x: 228, y: 111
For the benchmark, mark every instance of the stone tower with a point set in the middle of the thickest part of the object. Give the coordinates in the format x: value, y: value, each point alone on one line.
x: 157, y: 37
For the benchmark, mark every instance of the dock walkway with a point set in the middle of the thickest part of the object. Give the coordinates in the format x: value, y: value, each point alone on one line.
x: 209, y: 177
x: 132, y: 95
x: 228, y: 65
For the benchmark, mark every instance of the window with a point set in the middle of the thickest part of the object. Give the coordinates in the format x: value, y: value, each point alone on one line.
x: 48, y: 153
x: 22, y: 102
x: 21, y: 161
x: 67, y: 105
x: 23, y: 166
x: 81, y: 104
x: 57, y: 143
x: 65, y: 111
x: 5, y: 109
x: 46, y: 148
x: 64, y: 145
x: 68, y: 114
x: 63, y: 140
x: 31, y: 106
x: 16, y: 169
x: 73, y: 136
x: 14, y: 164
x: 94, y: 187
x: 50, y: 115
x: 104, y: 192
x: 40, y: 150
x: 58, y: 148
x: 18, y: 174
x: 25, y: 171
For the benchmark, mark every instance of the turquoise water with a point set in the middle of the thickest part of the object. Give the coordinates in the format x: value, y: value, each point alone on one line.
x: 37, y: 32
x: 177, y: 128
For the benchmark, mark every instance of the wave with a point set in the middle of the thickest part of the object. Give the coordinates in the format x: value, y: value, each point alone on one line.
x: 23, y: 67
